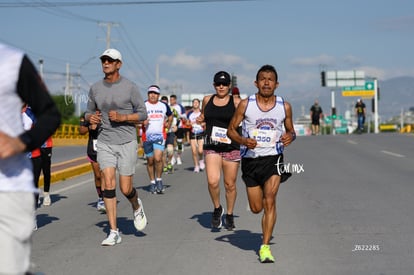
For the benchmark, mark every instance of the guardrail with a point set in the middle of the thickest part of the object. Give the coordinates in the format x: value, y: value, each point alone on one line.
x: 407, y: 129
x: 67, y: 135
x: 388, y: 127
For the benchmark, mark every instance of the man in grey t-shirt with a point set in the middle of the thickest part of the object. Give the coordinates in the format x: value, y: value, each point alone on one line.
x: 116, y: 104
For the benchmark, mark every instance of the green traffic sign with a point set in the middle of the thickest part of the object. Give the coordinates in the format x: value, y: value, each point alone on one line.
x: 369, y: 86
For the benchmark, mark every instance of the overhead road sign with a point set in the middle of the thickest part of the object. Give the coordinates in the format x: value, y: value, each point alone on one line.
x: 344, y: 78
x: 366, y: 90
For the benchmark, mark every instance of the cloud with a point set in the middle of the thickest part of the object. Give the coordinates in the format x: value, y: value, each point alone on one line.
x: 351, y: 60
x: 321, y: 60
x: 182, y: 59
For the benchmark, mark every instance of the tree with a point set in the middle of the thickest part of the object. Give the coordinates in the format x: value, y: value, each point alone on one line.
x: 65, y: 105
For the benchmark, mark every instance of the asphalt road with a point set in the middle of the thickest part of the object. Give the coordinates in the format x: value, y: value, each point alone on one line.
x: 348, y: 209
x: 65, y: 153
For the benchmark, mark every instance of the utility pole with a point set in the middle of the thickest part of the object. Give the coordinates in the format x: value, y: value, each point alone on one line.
x: 41, y: 68
x: 109, y: 26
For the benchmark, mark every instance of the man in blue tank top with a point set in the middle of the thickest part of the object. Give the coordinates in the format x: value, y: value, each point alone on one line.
x: 267, y: 127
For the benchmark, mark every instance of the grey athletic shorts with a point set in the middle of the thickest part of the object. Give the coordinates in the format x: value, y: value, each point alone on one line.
x: 121, y: 156
x: 17, y: 218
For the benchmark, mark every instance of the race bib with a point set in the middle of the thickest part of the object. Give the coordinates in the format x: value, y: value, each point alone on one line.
x: 94, y: 142
x: 264, y: 138
x: 219, y: 134
x: 197, y: 128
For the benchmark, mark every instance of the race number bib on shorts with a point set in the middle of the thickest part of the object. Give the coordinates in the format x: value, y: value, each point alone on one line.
x: 197, y: 128
x: 219, y: 134
x: 264, y: 138
x: 94, y: 142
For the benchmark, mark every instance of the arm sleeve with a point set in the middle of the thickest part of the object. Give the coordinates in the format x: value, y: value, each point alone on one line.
x: 33, y: 91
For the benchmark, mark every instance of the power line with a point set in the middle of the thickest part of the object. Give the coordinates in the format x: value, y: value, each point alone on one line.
x: 143, y: 64
x: 54, y: 10
x: 33, y: 4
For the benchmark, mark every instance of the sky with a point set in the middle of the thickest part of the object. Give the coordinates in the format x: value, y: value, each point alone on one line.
x: 181, y: 46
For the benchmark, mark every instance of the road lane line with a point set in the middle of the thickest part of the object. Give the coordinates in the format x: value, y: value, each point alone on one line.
x: 72, y: 186
x: 393, y: 154
x: 352, y: 141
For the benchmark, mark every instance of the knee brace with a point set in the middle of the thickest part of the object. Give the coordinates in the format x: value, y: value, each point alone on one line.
x: 180, y: 144
x: 132, y: 194
x: 109, y: 194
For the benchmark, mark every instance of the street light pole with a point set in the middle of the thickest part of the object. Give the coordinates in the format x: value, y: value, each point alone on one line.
x: 376, y: 129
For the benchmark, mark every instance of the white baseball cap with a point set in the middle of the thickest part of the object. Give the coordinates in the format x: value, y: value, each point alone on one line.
x: 112, y: 53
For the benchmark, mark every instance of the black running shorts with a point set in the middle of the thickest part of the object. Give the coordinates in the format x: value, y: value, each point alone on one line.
x: 256, y: 171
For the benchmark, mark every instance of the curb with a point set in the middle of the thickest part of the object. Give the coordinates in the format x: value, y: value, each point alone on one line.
x: 67, y: 173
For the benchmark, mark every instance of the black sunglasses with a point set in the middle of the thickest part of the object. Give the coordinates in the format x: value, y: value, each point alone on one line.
x: 219, y: 84
x: 110, y: 60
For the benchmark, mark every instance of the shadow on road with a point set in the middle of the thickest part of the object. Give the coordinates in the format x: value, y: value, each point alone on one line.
x: 125, y: 225
x: 44, y: 219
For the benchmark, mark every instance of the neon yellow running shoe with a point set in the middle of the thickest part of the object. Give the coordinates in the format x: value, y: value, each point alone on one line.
x: 265, y: 254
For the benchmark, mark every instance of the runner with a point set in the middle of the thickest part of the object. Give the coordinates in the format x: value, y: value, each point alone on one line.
x: 196, y: 136
x: 179, y: 134
x: 116, y: 103
x: 267, y: 128
x: 159, y: 118
x: 220, y: 153
x: 92, y: 130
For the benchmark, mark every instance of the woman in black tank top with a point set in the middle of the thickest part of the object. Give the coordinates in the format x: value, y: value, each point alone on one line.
x: 221, y: 155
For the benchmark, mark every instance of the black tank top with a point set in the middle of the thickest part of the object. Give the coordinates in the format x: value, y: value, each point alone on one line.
x: 219, y: 116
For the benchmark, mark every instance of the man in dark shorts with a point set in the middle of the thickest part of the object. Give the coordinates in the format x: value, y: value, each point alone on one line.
x: 267, y: 128
x: 316, y: 115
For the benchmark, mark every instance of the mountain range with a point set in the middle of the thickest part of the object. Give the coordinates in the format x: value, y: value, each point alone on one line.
x: 396, y: 95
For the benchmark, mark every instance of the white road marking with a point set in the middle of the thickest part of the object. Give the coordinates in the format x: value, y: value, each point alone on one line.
x: 352, y: 141
x: 72, y: 186
x: 392, y: 154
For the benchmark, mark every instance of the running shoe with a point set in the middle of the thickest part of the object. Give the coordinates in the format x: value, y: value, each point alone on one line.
x: 179, y: 161
x: 100, y: 205
x: 160, y: 187
x: 46, y: 200
x: 112, y: 239
x: 265, y: 254
x: 202, y: 165
x: 153, y: 188
x: 140, y: 220
x: 165, y: 170
x: 170, y: 169
x: 216, y: 217
x: 196, y: 169
x: 35, y: 225
x: 230, y: 222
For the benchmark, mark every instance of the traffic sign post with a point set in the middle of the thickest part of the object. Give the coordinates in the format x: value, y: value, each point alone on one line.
x: 353, y: 83
x: 366, y: 91
x: 370, y: 89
